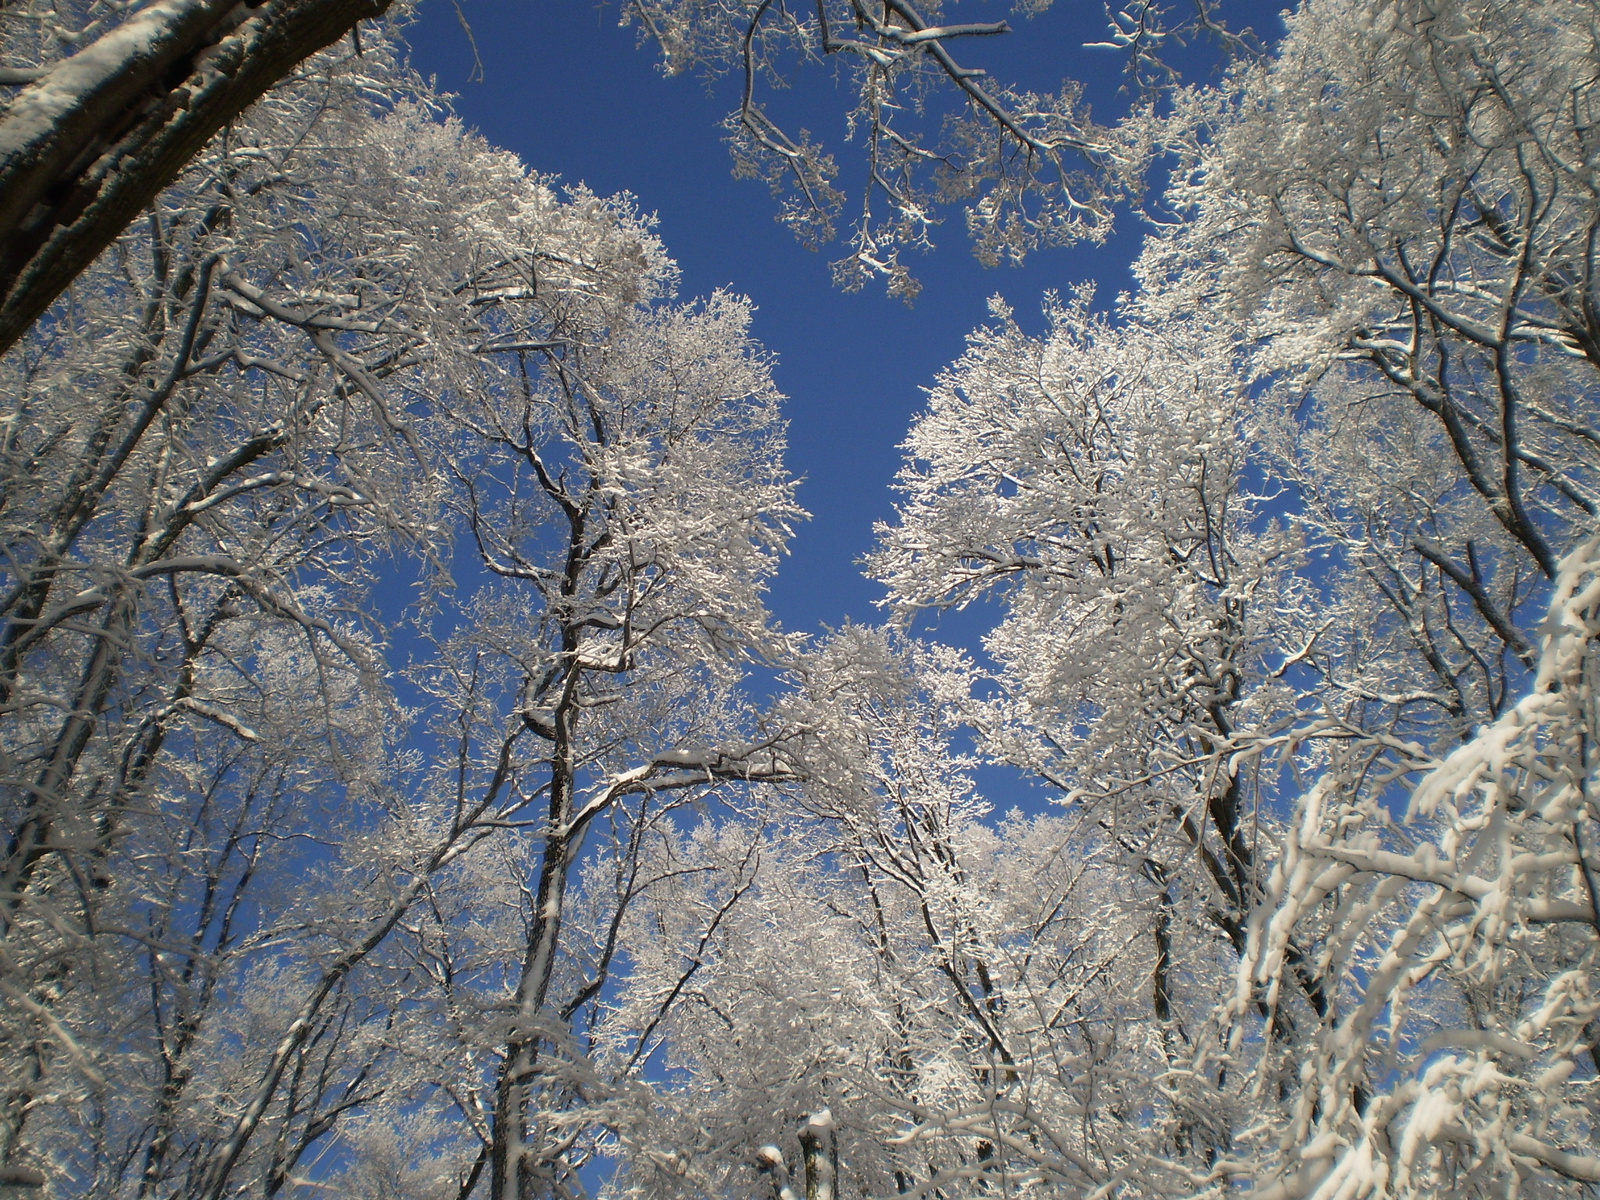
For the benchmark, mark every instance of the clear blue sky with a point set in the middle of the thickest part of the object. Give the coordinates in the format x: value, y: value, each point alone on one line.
x: 575, y: 95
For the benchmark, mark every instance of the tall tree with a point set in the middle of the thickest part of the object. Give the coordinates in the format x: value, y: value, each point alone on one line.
x: 1397, y: 212
x: 1297, y: 563
x: 241, y: 879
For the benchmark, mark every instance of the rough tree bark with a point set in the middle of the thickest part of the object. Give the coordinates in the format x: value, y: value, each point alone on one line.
x: 87, y: 145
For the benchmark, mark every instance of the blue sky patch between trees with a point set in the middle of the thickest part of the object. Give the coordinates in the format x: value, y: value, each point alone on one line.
x: 575, y: 94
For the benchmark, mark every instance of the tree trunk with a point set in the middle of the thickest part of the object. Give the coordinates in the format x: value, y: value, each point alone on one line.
x: 86, y: 147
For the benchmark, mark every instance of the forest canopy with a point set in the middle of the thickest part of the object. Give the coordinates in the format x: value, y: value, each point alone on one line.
x: 409, y: 793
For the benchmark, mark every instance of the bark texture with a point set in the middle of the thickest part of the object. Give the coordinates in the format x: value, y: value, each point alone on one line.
x: 86, y: 146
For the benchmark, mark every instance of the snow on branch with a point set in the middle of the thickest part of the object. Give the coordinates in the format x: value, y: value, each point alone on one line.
x: 1458, y: 939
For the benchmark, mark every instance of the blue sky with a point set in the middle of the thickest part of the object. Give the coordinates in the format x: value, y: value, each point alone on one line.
x: 576, y: 95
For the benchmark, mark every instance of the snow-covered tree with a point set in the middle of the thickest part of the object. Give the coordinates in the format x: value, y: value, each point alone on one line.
x: 1456, y: 939
x: 952, y: 1003
x: 629, y: 500
x: 1383, y: 264
x: 245, y: 886
x: 1274, y: 550
x: 1397, y: 214
x: 1092, y: 478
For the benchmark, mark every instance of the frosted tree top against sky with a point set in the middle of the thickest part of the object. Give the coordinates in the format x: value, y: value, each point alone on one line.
x: 574, y: 93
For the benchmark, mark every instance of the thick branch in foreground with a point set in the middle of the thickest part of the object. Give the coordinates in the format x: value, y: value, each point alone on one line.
x: 87, y: 146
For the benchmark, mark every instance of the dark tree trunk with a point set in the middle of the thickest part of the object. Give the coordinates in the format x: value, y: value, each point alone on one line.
x: 87, y: 146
